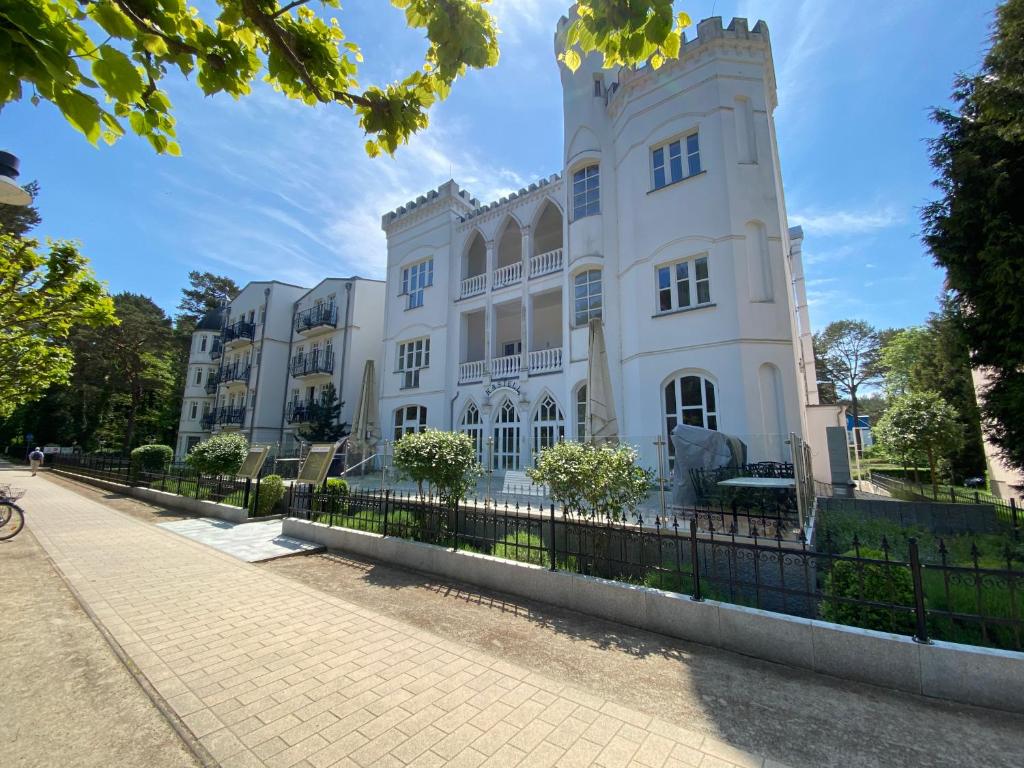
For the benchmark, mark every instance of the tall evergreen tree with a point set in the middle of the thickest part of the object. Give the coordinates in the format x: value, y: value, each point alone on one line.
x: 975, y: 231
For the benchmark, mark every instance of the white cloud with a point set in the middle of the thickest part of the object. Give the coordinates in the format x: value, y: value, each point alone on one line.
x: 845, y: 222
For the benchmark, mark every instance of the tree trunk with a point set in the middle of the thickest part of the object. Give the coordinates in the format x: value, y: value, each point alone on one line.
x: 855, y: 411
x: 931, y: 466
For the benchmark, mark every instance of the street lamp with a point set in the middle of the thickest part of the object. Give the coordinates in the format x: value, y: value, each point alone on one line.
x: 10, y: 192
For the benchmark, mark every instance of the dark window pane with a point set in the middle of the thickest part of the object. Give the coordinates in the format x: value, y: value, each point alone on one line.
x: 703, y: 293
x: 709, y: 392
x: 690, y: 391
x: 659, y: 177
x: 712, y: 422
x: 693, y: 417
x: 670, y: 398
x: 659, y: 158
x: 683, y: 291
x: 665, y: 299
x: 702, y: 269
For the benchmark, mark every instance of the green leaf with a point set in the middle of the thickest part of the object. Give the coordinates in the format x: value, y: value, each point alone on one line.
x: 83, y: 112
x: 117, y: 75
x: 154, y: 44
x: 112, y: 20
x: 571, y: 60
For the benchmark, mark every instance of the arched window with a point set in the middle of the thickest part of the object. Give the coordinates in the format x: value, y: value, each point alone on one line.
x: 587, y: 296
x: 410, y: 418
x: 548, y: 425
x: 506, y: 436
x: 690, y: 399
x: 473, y: 426
x: 581, y: 412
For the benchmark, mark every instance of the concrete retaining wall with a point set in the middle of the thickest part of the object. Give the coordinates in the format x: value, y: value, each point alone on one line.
x: 170, y: 500
x: 967, y: 674
x: 937, y: 517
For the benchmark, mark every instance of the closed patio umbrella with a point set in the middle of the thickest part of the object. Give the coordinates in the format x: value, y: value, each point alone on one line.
x: 365, y: 424
x: 601, y: 424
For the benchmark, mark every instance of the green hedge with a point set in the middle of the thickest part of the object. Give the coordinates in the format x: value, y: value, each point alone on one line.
x: 873, y: 582
x: 151, y: 458
x: 271, y: 492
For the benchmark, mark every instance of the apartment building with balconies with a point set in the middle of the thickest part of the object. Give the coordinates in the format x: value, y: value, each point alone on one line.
x: 336, y: 328
x: 667, y: 222
x: 199, y: 397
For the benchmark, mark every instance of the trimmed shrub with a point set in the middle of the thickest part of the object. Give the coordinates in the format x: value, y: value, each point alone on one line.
x: 271, y: 492
x: 151, y: 458
x: 220, y: 455
x: 872, y: 582
x: 445, y: 460
x: 337, y: 486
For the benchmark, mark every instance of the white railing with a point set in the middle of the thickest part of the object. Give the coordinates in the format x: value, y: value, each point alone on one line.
x: 472, y: 371
x: 546, y: 263
x: 545, y: 360
x: 513, y: 273
x: 505, y: 367
x: 471, y: 286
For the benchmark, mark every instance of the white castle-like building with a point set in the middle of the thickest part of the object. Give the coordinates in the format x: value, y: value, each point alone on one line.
x: 667, y: 222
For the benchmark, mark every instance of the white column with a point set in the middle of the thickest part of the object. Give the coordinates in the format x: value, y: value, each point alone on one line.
x: 527, y: 310
x: 488, y: 315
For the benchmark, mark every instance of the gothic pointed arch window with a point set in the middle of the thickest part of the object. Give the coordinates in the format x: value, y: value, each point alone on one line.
x: 506, y: 436
x: 581, y: 412
x: 472, y: 424
x: 548, y: 425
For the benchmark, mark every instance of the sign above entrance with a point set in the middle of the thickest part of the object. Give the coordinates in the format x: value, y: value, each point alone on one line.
x: 494, y: 386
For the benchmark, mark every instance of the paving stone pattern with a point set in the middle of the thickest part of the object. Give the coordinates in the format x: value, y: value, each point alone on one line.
x: 266, y: 671
x: 252, y: 542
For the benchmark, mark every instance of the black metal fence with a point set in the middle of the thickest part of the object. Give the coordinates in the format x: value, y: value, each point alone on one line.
x: 1006, y: 509
x: 178, y: 478
x: 973, y: 601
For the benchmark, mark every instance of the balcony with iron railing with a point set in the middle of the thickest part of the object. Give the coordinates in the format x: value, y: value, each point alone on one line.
x: 209, y: 419
x: 216, y: 349
x: 239, y: 372
x: 318, y: 317
x: 300, y: 411
x: 313, y: 364
x: 231, y: 417
x: 212, y: 382
x: 242, y: 331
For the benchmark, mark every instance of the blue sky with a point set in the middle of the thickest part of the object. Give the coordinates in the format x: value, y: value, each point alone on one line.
x: 268, y: 188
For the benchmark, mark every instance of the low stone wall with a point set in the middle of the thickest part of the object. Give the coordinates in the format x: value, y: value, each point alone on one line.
x: 936, y: 517
x: 980, y: 676
x: 199, y: 507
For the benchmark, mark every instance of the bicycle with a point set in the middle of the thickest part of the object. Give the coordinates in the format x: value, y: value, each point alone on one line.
x: 12, y: 517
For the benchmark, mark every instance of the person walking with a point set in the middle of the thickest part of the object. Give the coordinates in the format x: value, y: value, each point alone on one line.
x: 35, y: 459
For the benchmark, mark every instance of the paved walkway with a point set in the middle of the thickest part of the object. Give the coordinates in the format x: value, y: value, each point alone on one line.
x: 250, y: 542
x: 266, y: 671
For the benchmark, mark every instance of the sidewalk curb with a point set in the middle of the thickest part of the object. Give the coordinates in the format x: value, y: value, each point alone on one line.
x: 201, y: 754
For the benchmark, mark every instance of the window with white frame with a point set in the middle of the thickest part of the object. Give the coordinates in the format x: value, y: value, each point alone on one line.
x: 202, y: 343
x: 414, y: 279
x: 473, y: 425
x: 586, y: 192
x: 581, y: 412
x: 675, y: 160
x: 690, y: 399
x: 199, y: 376
x: 409, y: 419
x: 548, y: 425
x: 683, y: 284
x: 413, y: 356
x: 587, y: 296
x: 194, y: 410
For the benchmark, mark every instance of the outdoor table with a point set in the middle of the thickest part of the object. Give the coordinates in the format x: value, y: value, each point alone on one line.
x: 777, y: 483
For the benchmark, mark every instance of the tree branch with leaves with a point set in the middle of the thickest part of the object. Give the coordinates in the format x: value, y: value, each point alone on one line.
x: 102, y: 62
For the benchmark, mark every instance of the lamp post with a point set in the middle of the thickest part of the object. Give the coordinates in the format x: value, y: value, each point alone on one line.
x: 10, y: 192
